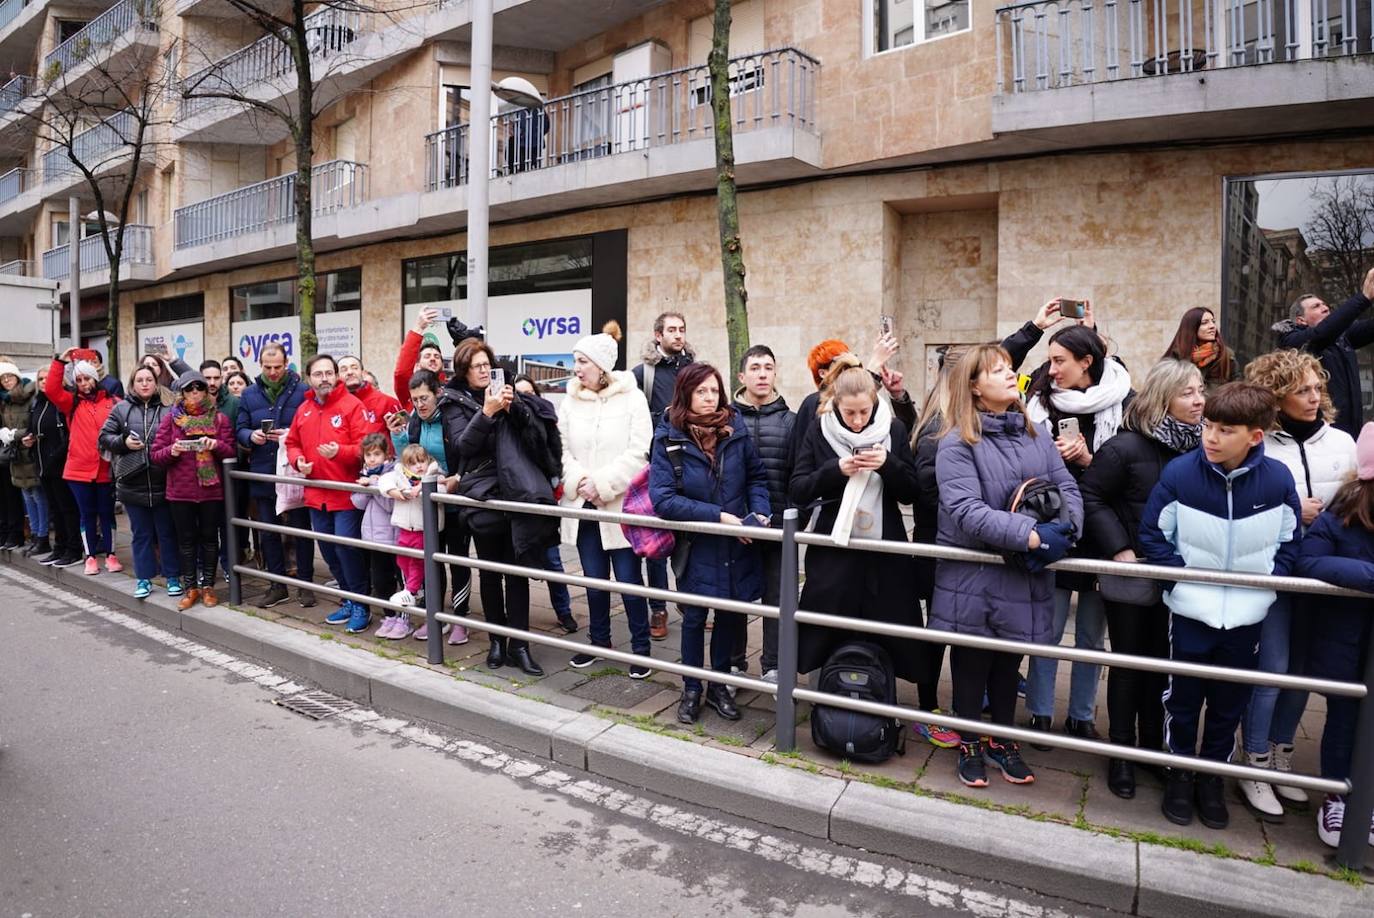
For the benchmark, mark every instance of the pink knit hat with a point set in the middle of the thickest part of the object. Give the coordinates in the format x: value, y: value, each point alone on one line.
x: 1364, y: 452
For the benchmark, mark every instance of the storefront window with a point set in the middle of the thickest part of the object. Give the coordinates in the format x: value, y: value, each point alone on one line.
x: 339, y: 291
x: 270, y: 313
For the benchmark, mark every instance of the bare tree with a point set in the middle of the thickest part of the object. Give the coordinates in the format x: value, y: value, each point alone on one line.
x: 1340, y: 232
x: 727, y: 202
x: 103, y: 109
x: 316, y: 39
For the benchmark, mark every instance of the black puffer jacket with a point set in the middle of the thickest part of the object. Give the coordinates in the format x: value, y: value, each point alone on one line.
x: 50, y: 428
x: 1334, y: 342
x: 147, y: 487
x: 1116, y: 487
x: 903, y: 409
x: 771, y: 427
x: 665, y: 377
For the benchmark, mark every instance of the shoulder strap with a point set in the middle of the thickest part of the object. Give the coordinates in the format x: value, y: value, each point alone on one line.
x: 674, y: 451
x: 649, y: 381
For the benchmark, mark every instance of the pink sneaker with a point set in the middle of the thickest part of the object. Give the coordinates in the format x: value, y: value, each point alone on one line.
x: 112, y: 564
x: 459, y: 635
x: 402, y: 629
x: 92, y: 565
x: 384, y: 630
x: 421, y: 633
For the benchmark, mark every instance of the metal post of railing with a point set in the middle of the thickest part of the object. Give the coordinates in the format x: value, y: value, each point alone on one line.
x: 785, y: 725
x: 1359, y: 805
x: 231, y: 534
x: 434, y: 585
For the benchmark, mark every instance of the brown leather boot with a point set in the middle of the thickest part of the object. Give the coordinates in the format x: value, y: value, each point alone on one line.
x: 658, y: 624
x: 208, y: 598
x: 190, y: 599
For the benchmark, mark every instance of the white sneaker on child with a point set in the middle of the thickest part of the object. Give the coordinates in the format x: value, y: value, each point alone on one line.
x: 403, y: 598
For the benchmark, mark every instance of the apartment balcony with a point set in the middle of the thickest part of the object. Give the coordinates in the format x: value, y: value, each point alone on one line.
x: 20, y: 198
x: 16, y: 100
x: 18, y: 268
x: 103, y: 42
x: 136, y: 259
x: 1089, y: 72
x: 260, y: 219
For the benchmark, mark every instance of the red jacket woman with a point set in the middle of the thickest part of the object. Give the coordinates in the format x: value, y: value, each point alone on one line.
x: 87, y: 474
x: 339, y: 420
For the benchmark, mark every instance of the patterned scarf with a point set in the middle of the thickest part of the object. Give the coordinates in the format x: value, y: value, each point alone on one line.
x: 1206, y: 354
x: 707, y: 430
x: 195, y: 423
x: 1176, y: 435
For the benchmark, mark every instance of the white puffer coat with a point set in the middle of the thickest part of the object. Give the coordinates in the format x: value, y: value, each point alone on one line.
x: 606, y: 438
x: 1319, y: 466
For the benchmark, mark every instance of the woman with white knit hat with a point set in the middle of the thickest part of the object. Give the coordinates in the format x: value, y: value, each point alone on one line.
x: 606, y: 430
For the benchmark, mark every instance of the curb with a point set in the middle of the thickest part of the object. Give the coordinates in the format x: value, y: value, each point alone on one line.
x: 1049, y: 858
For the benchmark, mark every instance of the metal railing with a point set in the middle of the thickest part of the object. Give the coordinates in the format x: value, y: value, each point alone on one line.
x: 14, y: 91
x: 117, y: 21
x: 334, y: 185
x: 1360, y: 801
x: 94, y: 147
x: 767, y: 89
x: 1049, y: 44
x: 9, y: 9
x: 14, y: 183
x: 137, y: 250
x: 20, y: 267
x: 329, y: 32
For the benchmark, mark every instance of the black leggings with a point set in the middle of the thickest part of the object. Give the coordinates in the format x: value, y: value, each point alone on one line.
x: 977, y: 671
x: 197, y: 524
x: 382, y: 574
x: 1135, y: 706
x: 64, y: 519
x: 11, y: 508
x: 513, y: 607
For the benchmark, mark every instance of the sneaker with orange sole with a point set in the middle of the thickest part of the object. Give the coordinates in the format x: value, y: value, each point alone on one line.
x: 112, y: 564
x: 92, y: 565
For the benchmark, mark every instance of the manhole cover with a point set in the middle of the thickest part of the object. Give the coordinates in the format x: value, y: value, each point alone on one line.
x: 315, y: 704
x: 617, y: 691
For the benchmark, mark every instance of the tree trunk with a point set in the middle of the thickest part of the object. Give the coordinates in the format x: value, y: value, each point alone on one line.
x: 304, y: 137
x: 727, y: 205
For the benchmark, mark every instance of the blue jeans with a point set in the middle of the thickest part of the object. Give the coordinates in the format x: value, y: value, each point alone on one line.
x: 1090, y: 623
x: 36, y: 506
x: 559, y: 597
x: 95, y: 502
x: 599, y: 562
x: 265, y: 511
x: 694, y: 641
x: 1258, y: 726
x: 154, y: 539
x: 657, y: 574
x: 346, y: 563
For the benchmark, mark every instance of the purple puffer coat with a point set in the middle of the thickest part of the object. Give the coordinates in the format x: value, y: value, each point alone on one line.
x: 976, y: 483
x: 376, y: 509
x: 182, y: 483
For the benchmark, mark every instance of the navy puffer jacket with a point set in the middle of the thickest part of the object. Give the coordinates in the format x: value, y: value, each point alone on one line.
x: 771, y: 427
x: 1338, y: 627
x: 976, y: 485
x: 718, y: 566
x: 254, y: 407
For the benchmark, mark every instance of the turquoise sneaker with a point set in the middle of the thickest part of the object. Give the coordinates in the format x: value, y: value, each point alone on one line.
x: 143, y: 589
x: 173, y: 586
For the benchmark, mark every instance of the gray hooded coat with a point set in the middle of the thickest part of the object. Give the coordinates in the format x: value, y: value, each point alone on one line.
x: 976, y: 484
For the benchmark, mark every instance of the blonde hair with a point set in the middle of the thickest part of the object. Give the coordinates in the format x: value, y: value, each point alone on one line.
x: 1282, y: 373
x: 962, y: 412
x: 415, y: 453
x: 936, y: 404
x: 846, y: 377
x: 1162, y: 384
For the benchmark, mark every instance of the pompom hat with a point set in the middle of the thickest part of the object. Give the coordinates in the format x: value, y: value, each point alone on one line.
x: 600, y: 350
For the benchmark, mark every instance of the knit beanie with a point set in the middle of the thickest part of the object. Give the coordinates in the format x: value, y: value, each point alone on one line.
x: 9, y: 369
x: 1364, y: 453
x: 822, y: 355
x: 85, y: 368
x: 600, y: 350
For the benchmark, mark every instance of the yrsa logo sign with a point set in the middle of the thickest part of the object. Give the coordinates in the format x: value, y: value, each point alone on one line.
x: 540, y: 328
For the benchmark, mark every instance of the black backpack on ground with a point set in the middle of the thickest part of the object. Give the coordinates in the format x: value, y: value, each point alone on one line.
x: 863, y: 671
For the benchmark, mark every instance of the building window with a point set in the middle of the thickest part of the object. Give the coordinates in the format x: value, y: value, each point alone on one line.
x: 898, y: 23
x: 564, y: 264
x: 174, y: 309
x: 337, y: 291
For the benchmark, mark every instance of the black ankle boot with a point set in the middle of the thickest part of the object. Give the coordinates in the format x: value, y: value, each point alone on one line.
x: 1177, y: 805
x: 496, y: 656
x: 520, y: 656
x: 689, y: 707
x: 1211, y: 801
x: 38, y: 547
x: 1121, y: 778
x: 1044, y: 725
x: 718, y: 697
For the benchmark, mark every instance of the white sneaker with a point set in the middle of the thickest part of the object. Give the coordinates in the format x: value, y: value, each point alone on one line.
x: 1259, y: 795
x: 771, y: 676
x: 1330, y: 818
x: 1282, y: 754
x: 403, y: 598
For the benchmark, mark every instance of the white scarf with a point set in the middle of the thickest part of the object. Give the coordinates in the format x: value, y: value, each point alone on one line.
x: 861, y: 508
x: 1103, y: 401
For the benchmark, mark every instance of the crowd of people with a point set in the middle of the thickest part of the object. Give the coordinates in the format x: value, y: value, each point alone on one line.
x: 1265, y: 468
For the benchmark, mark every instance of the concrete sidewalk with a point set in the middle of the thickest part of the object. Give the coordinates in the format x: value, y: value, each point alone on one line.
x: 1065, y: 835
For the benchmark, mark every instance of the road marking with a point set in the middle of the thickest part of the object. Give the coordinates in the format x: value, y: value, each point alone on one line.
x: 939, y: 893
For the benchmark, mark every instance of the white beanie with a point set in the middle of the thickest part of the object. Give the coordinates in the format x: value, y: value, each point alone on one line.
x: 599, y: 349
x: 9, y: 369
x: 85, y: 368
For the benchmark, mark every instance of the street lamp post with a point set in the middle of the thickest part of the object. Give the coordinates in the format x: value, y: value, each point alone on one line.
x: 478, y: 199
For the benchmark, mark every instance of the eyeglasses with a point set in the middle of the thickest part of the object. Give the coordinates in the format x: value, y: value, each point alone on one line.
x: 196, y: 387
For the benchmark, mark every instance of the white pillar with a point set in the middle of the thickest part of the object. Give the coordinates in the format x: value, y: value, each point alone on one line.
x: 74, y: 266
x: 479, y: 177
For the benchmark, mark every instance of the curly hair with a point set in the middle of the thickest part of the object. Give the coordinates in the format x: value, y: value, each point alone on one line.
x: 1282, y: 373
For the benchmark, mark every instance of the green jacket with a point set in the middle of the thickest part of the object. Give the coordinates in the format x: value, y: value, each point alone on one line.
x: 14, y: 414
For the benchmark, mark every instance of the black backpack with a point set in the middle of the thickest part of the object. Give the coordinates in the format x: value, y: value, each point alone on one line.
x: 864, y: 671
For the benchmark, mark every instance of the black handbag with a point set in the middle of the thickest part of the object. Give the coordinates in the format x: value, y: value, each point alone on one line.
x: 1130, y: 591
x: 127, y: 465
x: 1040, y: 500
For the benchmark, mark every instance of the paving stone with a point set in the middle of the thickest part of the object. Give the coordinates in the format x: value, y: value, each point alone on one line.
x: 1057, y: 793
x: 616, y: 691
x: 1244, y: 836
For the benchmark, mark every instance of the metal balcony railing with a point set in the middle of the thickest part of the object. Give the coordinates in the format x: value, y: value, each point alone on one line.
x: 93, y: 147
x: 1050, y: 44
x: 118, y: 20
x: 138, y: 250
x: 14, y: 183
x: 9, y: 9
x: 18, y: 267
x: 334, y: 185
x: 768, y: 89
x: 329, y: 32
x: 16, y: 90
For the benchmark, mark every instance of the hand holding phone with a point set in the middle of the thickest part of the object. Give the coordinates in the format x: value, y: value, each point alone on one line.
x: 1073, y: 309
x: 498, y: 381
x: 266, y: 425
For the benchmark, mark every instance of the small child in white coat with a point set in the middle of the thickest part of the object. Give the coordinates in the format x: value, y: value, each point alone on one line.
x: 402, y: 485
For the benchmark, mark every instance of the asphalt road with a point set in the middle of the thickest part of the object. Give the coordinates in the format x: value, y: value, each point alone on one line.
x: 136, y: 779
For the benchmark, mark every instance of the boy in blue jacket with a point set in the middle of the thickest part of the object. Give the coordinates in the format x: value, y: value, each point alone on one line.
x: 1221, y: 507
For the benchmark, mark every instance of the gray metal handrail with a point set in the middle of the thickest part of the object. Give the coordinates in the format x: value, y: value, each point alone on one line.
x: 14, y: 183
x: 16, y: 90
x: 137, y: 250
x: 115, y: 22
x: 1361, y: 794
x: 20, y: 267
x: 94, y: 147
